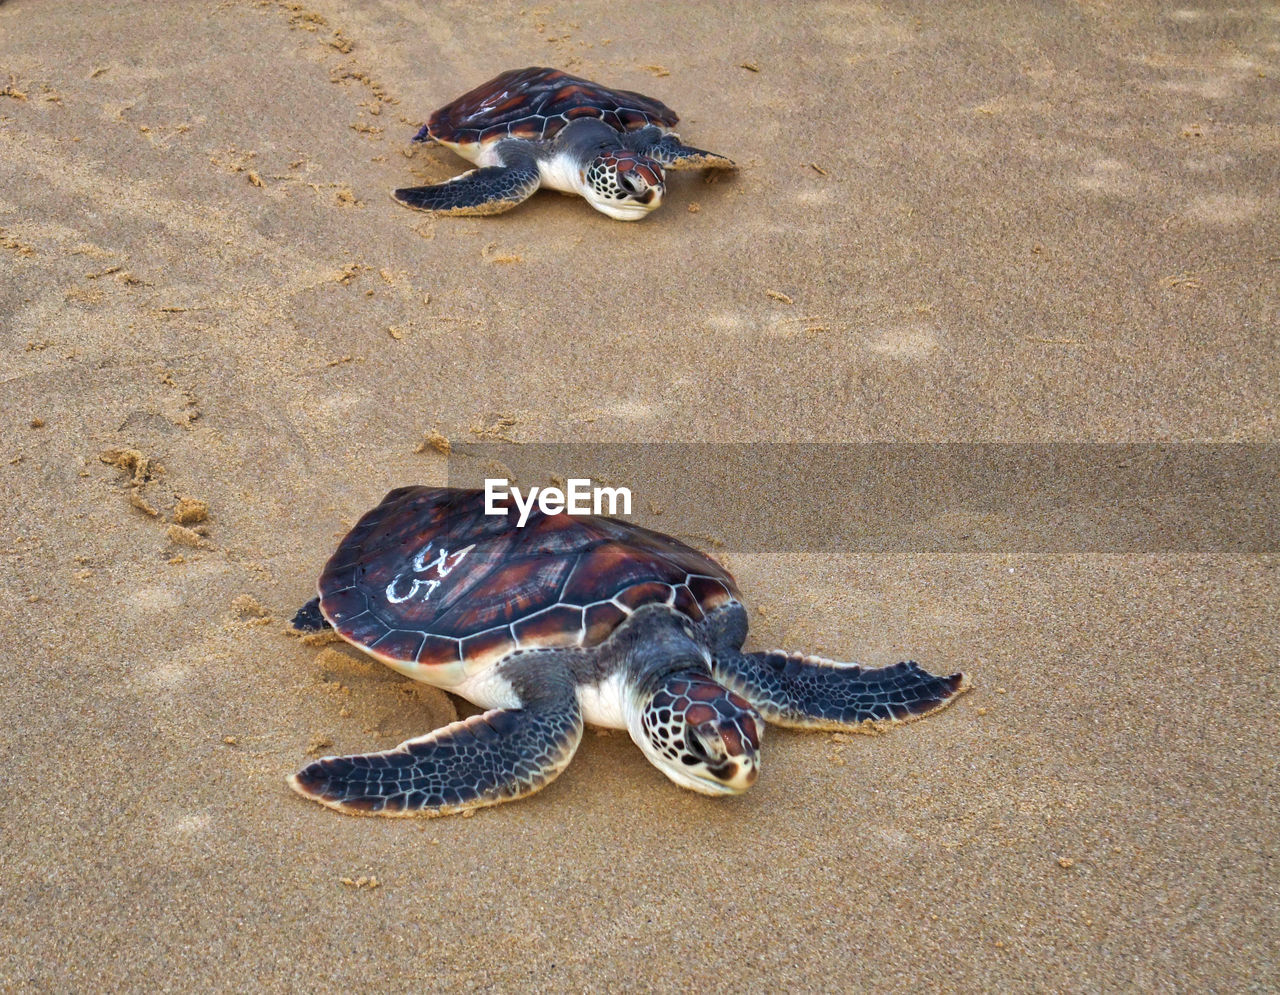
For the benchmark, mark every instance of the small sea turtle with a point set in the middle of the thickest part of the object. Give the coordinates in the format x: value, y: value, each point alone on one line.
x: 566, y: 621
x: 542, y: 127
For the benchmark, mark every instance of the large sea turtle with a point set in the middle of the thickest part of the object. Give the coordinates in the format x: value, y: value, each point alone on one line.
x: 539, y: 127
x: 566, y: 621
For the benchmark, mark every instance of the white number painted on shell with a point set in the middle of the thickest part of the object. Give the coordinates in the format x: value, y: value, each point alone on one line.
x: 422, y: 587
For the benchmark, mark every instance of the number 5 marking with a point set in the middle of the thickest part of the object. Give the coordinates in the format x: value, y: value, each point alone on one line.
x: 443, y: 565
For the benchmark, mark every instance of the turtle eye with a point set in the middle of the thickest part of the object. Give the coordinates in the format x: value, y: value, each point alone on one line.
x: 629, y: 183
x: 700, y: 745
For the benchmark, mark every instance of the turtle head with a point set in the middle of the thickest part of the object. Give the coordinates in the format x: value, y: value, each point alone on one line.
x: 624, y: 184
x: 697, y: 732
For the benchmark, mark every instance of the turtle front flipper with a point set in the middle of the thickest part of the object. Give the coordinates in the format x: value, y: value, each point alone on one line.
x: 668, y: 150
x: 499, y: 756
x: 489, y: 190
x: 808, y: 692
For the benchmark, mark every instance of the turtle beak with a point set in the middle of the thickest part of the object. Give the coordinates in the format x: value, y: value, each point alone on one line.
x: 644, y: 185
x: 738, y: 742
x: 737, y: 776
x: 741, y: 741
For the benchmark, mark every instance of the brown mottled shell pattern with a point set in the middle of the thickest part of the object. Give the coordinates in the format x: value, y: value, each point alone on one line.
x: 428, y: 578
x: 536, y: 103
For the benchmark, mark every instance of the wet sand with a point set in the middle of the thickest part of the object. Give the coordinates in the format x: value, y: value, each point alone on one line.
x: 221, y: 342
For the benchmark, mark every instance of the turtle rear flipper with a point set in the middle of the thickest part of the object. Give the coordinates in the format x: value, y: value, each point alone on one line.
x: 808, y: 692
x: 486, y: 759
x: 309, y: 619
x: 489, y: 190
x: 424, y: 136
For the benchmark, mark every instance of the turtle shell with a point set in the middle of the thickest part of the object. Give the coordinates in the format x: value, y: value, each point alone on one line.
x: 428, y: 581
x: 535, y: 103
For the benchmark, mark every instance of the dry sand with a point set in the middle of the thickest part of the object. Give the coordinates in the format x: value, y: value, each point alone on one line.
x: 991, y: 222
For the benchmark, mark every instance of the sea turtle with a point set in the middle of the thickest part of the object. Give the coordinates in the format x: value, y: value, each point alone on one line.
x: 566, y: 621
x: 535, y: 127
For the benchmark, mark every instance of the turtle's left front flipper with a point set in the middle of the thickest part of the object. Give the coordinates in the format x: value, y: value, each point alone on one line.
x: 808, y: 692
x: 673, y: 154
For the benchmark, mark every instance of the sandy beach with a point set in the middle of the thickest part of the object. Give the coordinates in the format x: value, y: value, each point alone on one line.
x: 221, y: 342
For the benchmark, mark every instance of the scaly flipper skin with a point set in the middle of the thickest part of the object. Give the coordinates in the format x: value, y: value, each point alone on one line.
x: 486, y: 759
x: 806, y: 692
x: 489, y: 190
x: 668, y: 150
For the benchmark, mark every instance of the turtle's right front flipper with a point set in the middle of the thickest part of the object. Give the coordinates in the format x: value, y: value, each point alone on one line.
x: 486, y: 759
x: 489, y: 190
x: 808, y: 692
